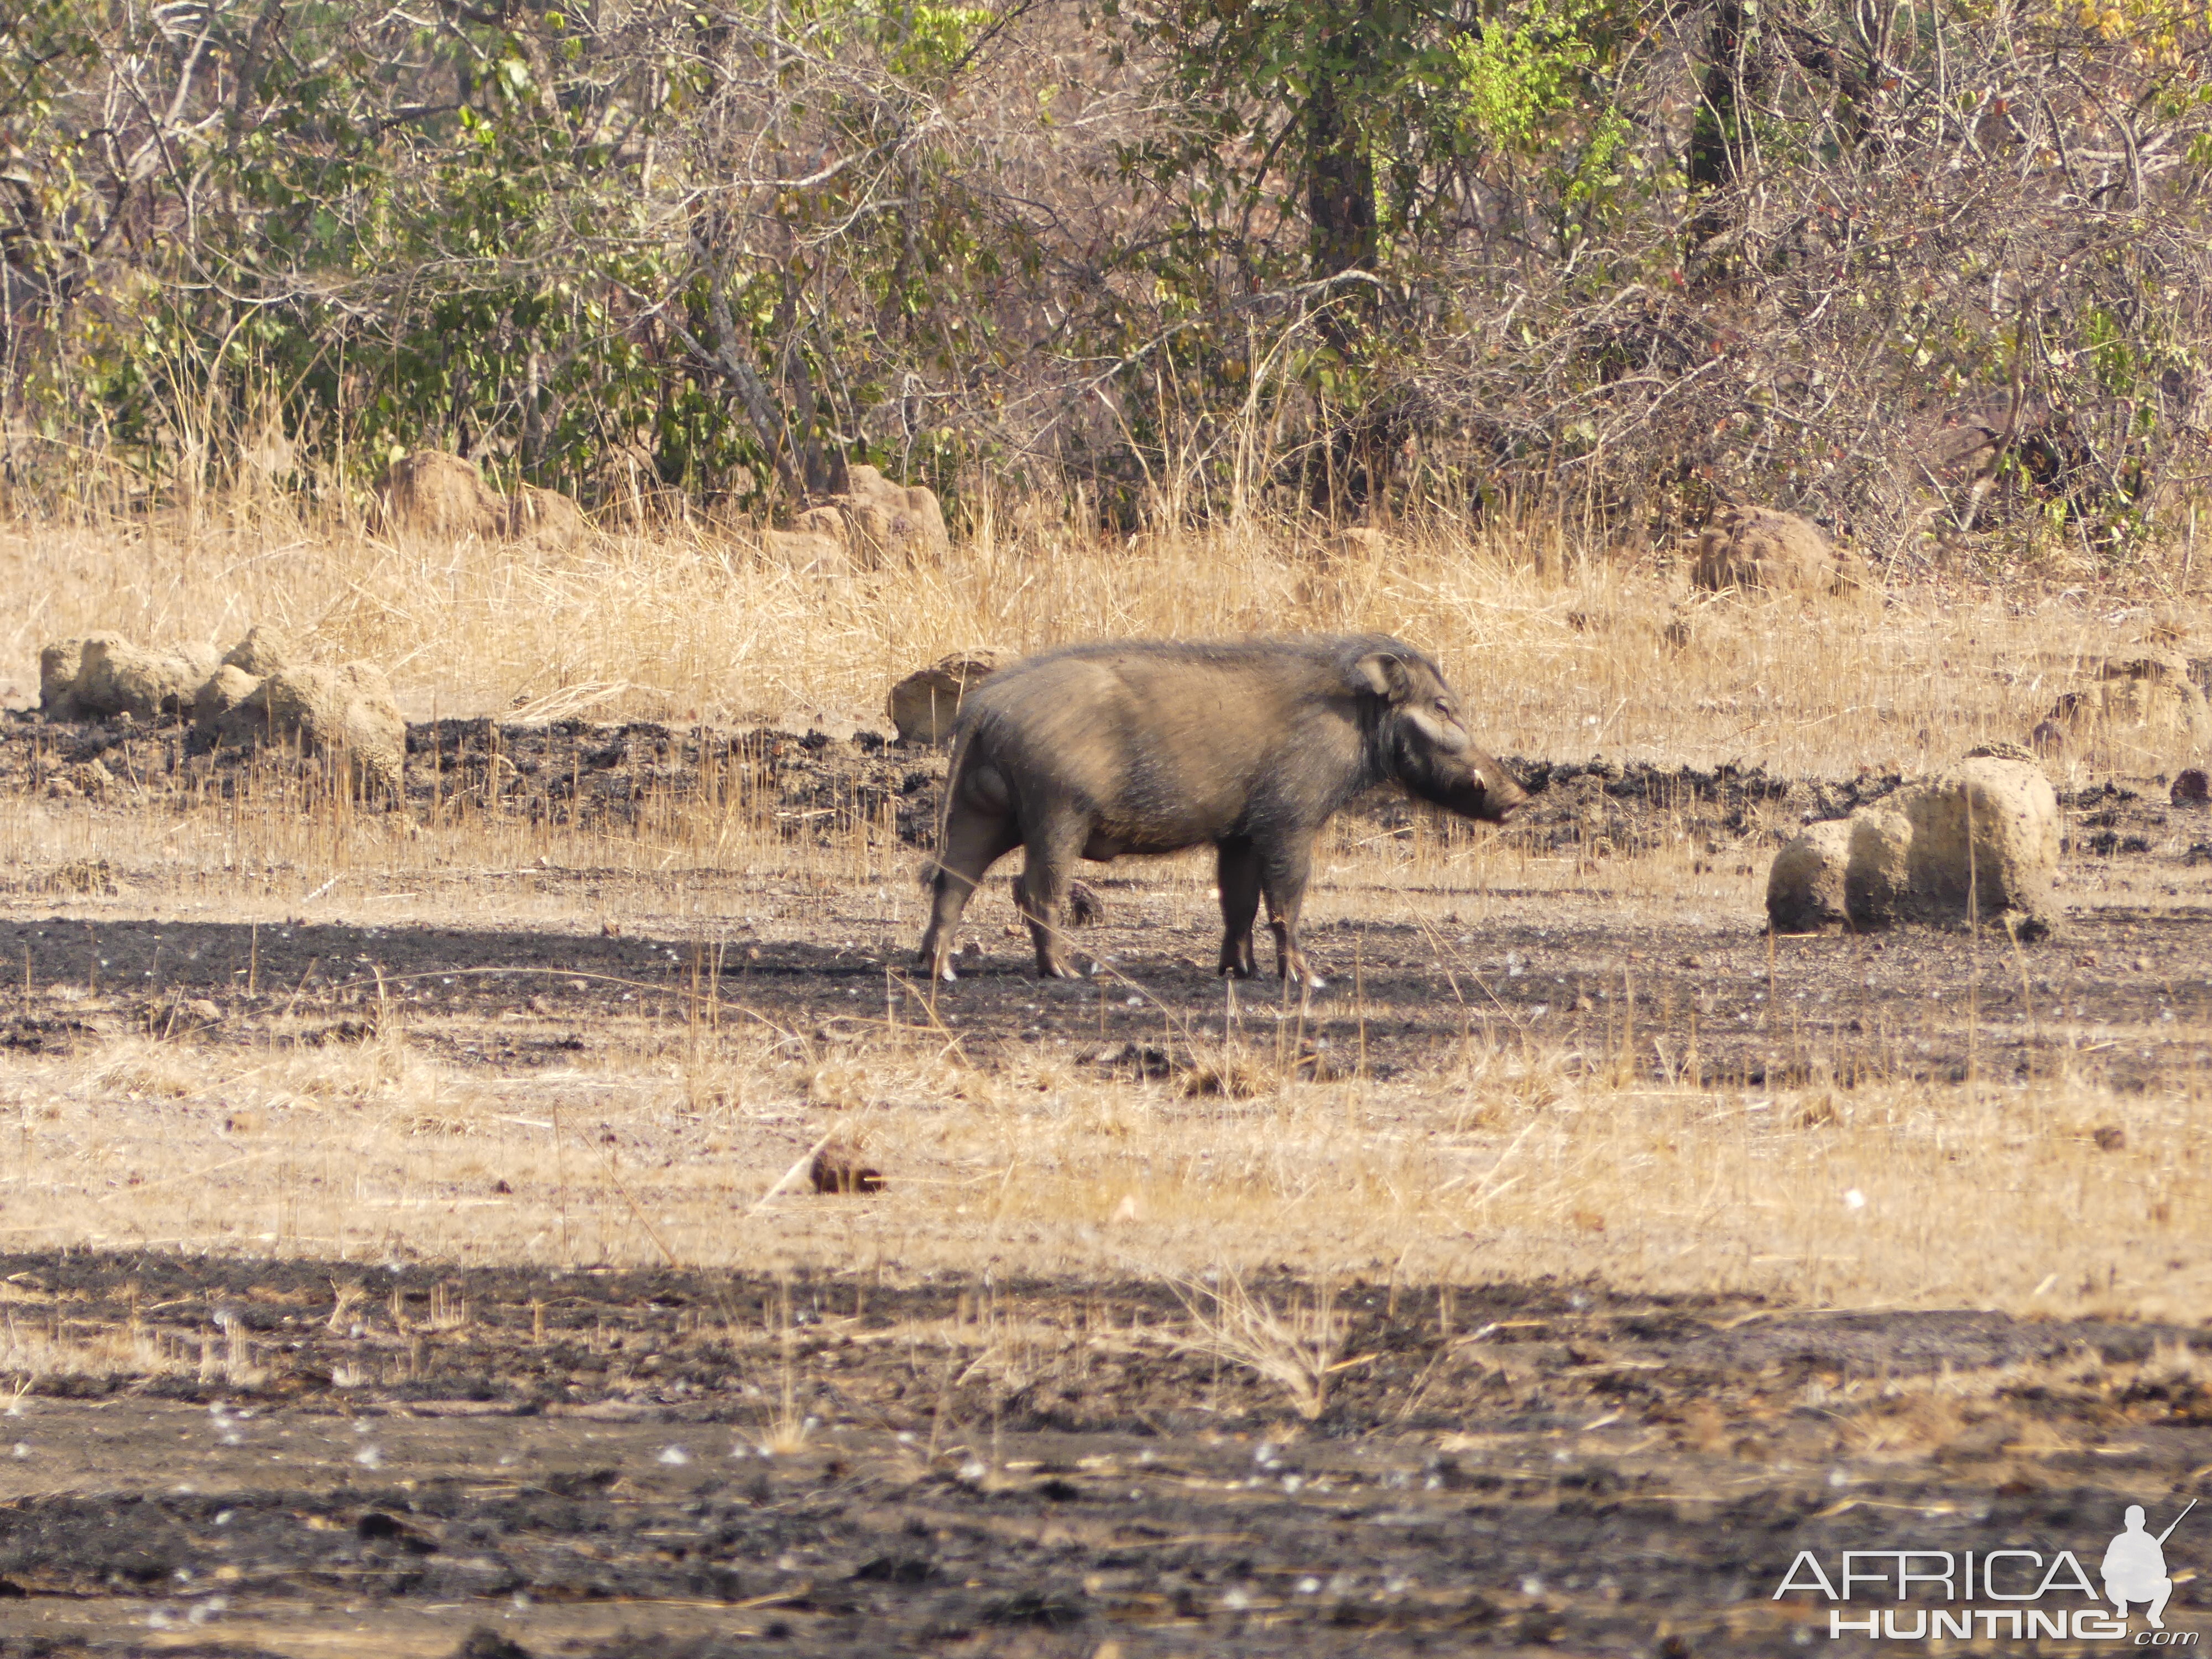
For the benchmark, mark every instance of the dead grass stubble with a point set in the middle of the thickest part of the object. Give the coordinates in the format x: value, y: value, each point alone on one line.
x: 1518, y: 1163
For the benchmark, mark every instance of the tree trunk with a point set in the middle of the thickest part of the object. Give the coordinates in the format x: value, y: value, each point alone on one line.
x: 1340, y: 205
x: 1339, y: 179
x: 1730, y: 84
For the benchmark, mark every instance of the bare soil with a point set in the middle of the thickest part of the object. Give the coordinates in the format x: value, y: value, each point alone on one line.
x: 1028, y: 1467
x: 572, y: 1459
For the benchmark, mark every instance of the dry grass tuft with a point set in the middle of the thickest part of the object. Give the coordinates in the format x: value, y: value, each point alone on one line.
x: 1298, y: 1348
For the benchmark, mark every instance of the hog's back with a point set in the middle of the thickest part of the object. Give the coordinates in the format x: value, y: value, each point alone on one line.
x: 1166, y: 746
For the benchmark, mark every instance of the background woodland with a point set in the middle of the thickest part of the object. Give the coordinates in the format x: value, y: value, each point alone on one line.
x: 1934, y: 272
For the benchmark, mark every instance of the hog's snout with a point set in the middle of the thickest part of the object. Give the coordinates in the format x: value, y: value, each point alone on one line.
x: 1500, y: 794
x: 1485, y: 793
x: 1477, y: 787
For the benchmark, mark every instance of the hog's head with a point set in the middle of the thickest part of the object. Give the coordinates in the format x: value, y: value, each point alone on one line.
x: 1422, y: 736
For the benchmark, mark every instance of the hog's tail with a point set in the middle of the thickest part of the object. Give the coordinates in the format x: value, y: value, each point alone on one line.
x: 963, y: 735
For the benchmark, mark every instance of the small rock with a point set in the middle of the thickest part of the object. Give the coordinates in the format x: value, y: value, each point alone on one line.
x: 1913, y: 859
x: 60, y: 661
x: 1805, y: 886
x: 103, y: 674
x: 205, y: 1011
x: 346, y: 711
x: 2111, y: 1137
x: 261, y: 652
x: 225, y: 689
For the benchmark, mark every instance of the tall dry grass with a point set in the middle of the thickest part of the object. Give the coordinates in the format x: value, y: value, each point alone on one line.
x: 1568, y: 650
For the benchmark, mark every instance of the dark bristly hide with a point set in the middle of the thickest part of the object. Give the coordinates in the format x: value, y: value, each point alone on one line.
x: 1143, y: 747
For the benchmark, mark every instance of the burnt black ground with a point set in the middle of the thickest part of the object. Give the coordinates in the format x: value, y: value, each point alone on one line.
x: 1026, y: 1466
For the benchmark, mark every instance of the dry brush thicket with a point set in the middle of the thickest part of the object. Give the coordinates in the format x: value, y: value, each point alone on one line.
x: 1935, y: 276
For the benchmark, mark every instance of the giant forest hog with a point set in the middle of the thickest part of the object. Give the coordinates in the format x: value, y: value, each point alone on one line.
x: 1101, y: 750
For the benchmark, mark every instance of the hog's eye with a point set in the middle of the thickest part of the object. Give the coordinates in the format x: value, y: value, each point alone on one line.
x: 1443, y: 707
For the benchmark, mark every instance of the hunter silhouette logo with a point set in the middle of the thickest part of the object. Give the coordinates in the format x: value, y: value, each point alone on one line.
x: 1998, y: 1594
x: 2134, y: 1567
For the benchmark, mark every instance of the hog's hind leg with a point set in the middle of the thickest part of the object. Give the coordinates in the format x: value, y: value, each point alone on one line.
x: 975, y: 839
x: 1048, y: 872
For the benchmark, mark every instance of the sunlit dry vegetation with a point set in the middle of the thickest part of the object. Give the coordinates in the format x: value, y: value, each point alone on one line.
x: 1522, y: 1154
x: 1526, y: 1146
x: 1568, y: 651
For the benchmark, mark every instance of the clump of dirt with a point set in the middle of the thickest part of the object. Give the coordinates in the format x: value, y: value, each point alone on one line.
x: 103, y: 674
x: 1760, y: 548
x: 346, y: 712
x: 1981, y: 837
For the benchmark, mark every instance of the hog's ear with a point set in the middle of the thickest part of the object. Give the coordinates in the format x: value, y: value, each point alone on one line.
x: 1384, y: 675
